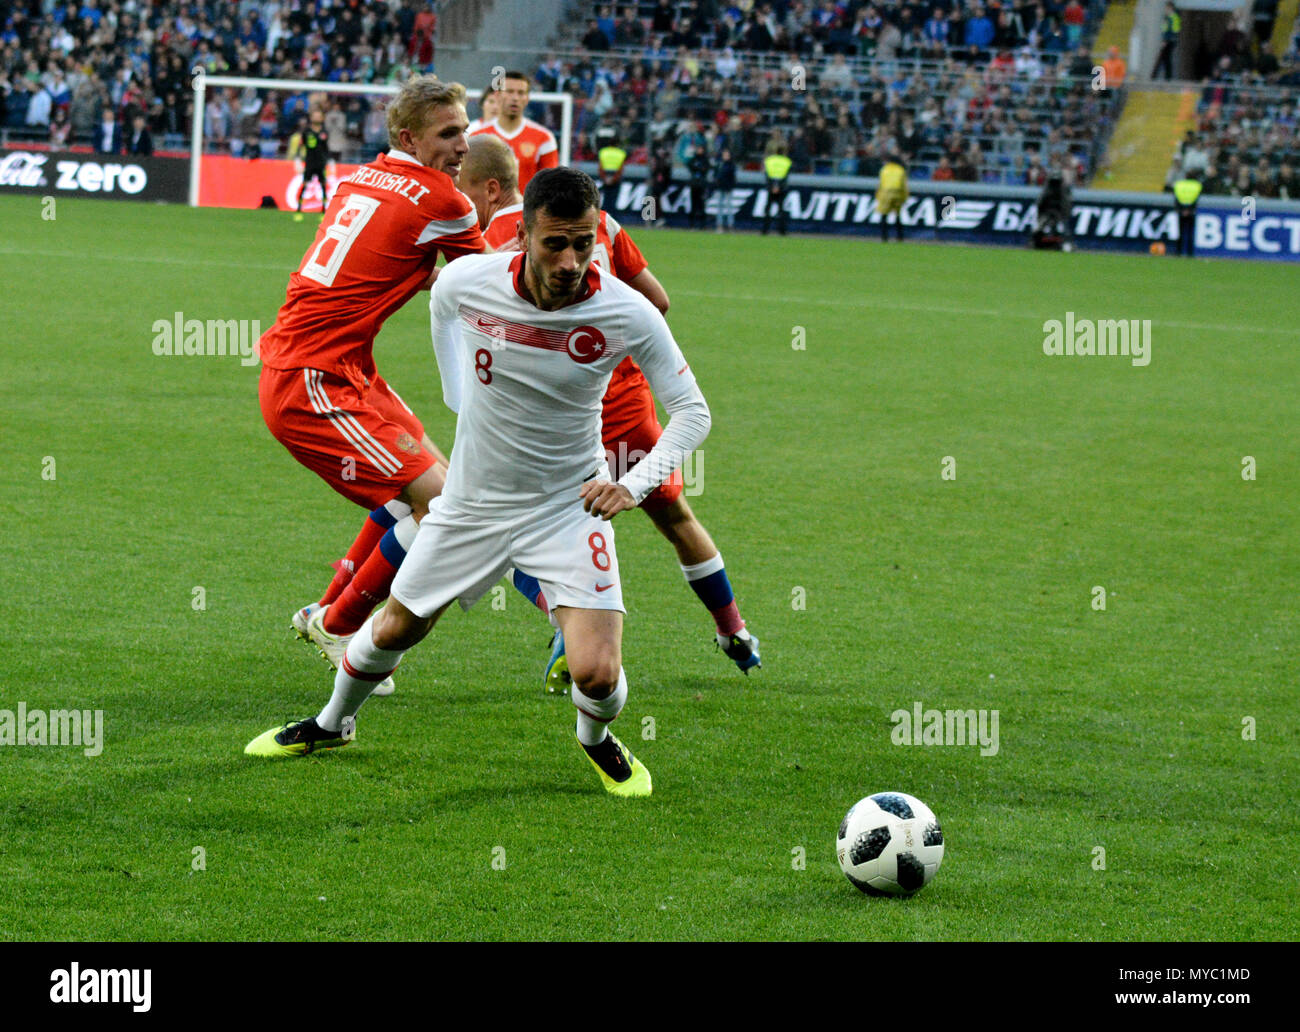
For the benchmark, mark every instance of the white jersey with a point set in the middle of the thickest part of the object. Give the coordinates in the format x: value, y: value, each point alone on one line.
x: 527, y: 384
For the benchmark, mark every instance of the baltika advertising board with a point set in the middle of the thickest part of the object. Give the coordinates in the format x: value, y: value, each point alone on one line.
x: 1225, y: 227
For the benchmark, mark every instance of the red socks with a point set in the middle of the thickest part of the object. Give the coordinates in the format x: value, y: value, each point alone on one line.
x: 369, y: 586
x: 362, y: 547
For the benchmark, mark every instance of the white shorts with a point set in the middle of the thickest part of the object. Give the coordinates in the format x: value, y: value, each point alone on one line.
x: 459, y: 556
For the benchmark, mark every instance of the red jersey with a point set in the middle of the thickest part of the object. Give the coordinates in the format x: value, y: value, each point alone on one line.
x: 534, y: 146
x: 374, y: 250
x: 504, y: 226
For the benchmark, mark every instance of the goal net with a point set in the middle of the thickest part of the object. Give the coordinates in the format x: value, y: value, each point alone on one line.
x: 243, y: 127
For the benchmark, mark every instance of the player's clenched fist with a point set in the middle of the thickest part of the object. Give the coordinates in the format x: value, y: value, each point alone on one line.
x: 601, y: 498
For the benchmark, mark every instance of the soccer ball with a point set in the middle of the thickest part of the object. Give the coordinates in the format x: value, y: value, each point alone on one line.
x: 890, y: 844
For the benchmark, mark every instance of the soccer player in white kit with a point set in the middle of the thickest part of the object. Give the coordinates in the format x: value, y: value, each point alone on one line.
x: 526, y: 342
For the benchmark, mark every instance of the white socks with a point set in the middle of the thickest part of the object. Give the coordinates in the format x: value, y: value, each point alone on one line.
x: 594, y: 714
x: 363, y: 666
x: 701, y: 570
x: 405, y: 530
x: 397, y: 509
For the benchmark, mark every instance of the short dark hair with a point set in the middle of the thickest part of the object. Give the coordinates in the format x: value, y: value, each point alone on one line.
x: 521, y: 76
x: 563, y: 193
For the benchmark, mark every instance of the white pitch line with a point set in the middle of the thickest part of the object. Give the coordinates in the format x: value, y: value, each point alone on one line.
x: 181, y: 262
x: 82, y: 256
x: 786, y: 299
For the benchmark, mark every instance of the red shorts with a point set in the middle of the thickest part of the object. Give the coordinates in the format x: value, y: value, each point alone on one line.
x: 365, y: 446
x: 630, y: 429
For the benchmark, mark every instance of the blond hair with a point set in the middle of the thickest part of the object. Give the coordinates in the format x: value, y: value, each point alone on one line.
x: 490, y: 157
x: 412, y: 107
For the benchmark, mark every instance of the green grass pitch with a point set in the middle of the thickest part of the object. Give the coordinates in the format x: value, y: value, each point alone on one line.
x: 874, y: 582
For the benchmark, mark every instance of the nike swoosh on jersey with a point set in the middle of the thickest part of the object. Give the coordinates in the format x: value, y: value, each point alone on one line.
x: 683, y: 369
x: 603, y: 587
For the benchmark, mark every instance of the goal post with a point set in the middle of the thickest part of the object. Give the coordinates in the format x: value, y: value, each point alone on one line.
x: 202, y: 82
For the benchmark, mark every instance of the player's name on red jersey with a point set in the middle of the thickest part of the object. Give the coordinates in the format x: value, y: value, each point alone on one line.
x: 374, y: 250
x: 404, y: 186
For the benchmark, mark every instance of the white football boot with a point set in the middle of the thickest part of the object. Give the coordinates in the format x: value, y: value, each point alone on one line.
x: 302, y: 617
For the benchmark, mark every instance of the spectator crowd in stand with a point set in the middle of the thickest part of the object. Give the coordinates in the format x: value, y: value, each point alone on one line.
x: 1246, y: 142
x: 961, y: 89
x: 66, y: 69
x: 927, y: 29
x: 950, y: 120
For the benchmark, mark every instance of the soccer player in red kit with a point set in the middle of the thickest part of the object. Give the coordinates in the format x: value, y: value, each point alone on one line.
x: 630, y: 428
x: 321, y: 395
x: 533, y: 144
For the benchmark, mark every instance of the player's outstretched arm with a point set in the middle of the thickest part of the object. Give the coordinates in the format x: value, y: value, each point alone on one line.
x: 674, y: 384
x: 444, y: 326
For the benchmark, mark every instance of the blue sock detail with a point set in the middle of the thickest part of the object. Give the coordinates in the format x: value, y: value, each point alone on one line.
x: 527, y: 586
x: 392, y: 549
x: 384, y: 518
x: 714, y: 590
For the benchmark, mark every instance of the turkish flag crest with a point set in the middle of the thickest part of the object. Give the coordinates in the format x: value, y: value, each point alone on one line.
x: 585, y: 344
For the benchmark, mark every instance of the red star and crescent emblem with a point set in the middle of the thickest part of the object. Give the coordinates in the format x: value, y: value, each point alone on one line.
x: 585, y: 344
